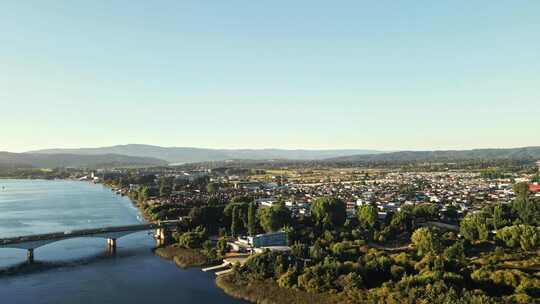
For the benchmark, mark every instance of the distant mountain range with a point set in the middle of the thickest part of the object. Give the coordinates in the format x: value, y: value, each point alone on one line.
x: 526, y: 153
x: 34, y: 160
x: 146, y: 155
x: 178, y: 155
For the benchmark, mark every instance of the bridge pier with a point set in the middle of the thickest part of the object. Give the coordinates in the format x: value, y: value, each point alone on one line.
x: 111, y: 243
x: 162, y: 233
x: 162, y: 236
x: 30, y: 255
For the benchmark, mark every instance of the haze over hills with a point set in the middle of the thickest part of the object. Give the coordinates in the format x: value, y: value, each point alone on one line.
x: 190, y: 155
x: 525, y: 153
x: 147, y: 155
x: 29, y: 160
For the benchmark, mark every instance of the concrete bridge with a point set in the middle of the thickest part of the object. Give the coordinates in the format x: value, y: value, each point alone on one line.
x: 31, y: 242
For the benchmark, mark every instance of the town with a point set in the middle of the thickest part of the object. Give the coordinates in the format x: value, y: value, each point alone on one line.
x: 461, y: 231
x: 457, y: 191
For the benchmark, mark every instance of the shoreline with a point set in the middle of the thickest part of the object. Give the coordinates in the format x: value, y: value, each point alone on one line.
x: 269, y: 292
x: 264, y: 292
x: 192, y: 258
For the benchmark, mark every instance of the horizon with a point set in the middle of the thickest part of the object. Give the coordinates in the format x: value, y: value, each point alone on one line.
x: 262, y: 149
x: 303, y: 75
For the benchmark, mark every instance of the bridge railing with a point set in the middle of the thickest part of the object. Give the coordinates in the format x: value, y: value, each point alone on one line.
x: 88, y: 232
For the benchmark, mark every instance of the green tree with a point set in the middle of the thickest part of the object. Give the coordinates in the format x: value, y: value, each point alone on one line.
x: 222, y: 247
x: 403, y: 220
x: 527, y: 211
x: 474, y: 227
x: 274, y: 218
x: 451, y: 213
x: 499, y: 218
x: 329, y: 212
x: 236, y: 222
x: 212, y: 187
x: 191, y: 239
x: 525, y: 236
x: 212, y: 201
x: 289, y: 279
x: 252, y: 219
x: 144, y: 194
x: 165, y: 186
x: 425, y: 241
x: 367, y: 216
x: 521, y: 190
x: 455, y: 252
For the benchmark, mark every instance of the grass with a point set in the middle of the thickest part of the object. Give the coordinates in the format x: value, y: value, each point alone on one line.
x: 182, y: 257
x: 267, y: 292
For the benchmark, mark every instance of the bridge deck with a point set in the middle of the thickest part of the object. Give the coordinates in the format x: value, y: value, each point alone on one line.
x: 86, y: 232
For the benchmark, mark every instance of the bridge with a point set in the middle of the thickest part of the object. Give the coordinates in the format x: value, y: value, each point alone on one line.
x: 31, y: 242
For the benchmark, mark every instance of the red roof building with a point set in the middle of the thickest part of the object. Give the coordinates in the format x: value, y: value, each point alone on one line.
x: 534, y: 187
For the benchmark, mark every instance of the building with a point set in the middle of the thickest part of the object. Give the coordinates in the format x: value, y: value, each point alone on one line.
x: 269, y: 239
x: 266, y: 202
x: 248, y: 185
x: 191, y: 175
x: 534, y: 187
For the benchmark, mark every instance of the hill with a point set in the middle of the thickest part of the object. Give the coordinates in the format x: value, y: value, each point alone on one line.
x: 191, y: 155
x: 29, y: 160
x: 526, y: 153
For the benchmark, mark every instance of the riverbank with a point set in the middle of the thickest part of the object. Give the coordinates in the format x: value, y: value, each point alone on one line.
x: 182, y: 257
x: 133, y: 274
x: 269, y: 292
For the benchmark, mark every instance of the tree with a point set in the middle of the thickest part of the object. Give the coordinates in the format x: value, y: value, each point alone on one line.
x: 144, y: 193
x: 191, y: 239
x: 403, y: 220
x: 289, y: 279
x: 455, y: 253
x: 526, y: 210
x: 252, y: 219
x: 207, y: 216
x: 222, y: 247
x: 426, y: 241
x: 241, y: 199
x: 367, y: 216
x: 242, y: 210
x: 498, y: 219
x: 212, y: 201
x: 274, y: 218
x: 521, y: 190
x: 236, y: 222
x: 451, y: 213
x: 211, y: 187
x: 524, y: 236
x: 329, y: 212
x: 165, y: 186
x: 474, y: 227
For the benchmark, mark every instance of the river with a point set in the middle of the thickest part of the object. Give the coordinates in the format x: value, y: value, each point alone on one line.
x: 82, y: 270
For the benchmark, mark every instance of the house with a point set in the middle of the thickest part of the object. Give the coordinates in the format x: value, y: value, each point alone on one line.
x: 535, y: 187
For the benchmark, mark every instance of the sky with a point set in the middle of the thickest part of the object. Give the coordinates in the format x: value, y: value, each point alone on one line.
x: 387, y: 75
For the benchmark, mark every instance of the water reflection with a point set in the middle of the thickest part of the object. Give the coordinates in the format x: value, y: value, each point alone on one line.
x: 76, y: 252
x: 84, y: 270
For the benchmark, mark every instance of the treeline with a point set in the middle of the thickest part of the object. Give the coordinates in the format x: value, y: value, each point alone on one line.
x: 33, y: 173
x: 495, y: 260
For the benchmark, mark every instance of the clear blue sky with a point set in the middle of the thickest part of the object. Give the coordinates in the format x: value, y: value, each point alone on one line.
x: 283, y: 74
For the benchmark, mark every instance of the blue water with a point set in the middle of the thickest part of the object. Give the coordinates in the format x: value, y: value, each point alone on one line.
x: 83, y: 270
